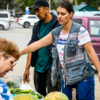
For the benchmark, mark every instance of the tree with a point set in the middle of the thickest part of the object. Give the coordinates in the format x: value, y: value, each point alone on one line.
x: 56, y: 2
x: 3, y: 4
x: 92, y: 3
x: 26, y: 3
x: 53, y: 5
x: 29, y: 3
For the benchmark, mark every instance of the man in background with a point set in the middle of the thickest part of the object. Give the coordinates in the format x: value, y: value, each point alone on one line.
x: 41, y: 59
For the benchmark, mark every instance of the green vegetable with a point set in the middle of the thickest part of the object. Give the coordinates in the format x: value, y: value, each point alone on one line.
x: 25, y: 91
x: 39, y: 96
x: 18, y: 91
x: 25, y: 97
x: 12, y: 84
x: 14, y: 90
x: 31, y: 92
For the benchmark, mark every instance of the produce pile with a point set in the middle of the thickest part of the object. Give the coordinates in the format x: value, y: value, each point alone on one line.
x: 12, y: 84
x: 21, y: 94
x: 27, y: 94
x: 56, y: 96
x: 12, y: 80
x: 25, y: 97
x: 51, y: 96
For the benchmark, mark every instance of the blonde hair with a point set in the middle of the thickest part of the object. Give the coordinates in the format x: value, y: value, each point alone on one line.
x: 8, y: 48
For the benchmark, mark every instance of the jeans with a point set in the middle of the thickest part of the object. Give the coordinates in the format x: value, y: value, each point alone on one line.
x: 85, y: 89
x: 43, y: 84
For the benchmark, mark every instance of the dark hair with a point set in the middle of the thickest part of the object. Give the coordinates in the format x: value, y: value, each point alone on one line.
x: 67, y: 5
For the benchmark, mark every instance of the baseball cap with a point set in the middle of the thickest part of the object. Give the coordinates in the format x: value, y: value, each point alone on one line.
x: 39, y: 3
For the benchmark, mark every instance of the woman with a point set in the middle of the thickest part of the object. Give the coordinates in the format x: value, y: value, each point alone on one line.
x: 72, y: 47
x: 9, y: 54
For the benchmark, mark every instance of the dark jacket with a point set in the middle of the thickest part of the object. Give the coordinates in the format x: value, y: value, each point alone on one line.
x: 35, y: 34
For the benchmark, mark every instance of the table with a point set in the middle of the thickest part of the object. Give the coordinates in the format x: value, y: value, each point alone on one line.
x: 22, y: 87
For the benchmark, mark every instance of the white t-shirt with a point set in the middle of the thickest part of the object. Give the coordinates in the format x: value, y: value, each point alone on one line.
x: 83, y: 37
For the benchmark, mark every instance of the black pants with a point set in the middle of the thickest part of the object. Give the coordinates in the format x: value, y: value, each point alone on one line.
x: 42, y: 82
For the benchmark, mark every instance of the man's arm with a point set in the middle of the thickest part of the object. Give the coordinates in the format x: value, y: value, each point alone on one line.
x: 27, y: 72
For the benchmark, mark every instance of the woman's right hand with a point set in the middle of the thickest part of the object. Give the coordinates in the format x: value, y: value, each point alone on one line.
x: 26, y: 76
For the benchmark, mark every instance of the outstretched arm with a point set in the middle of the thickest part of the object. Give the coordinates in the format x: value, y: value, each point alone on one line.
x: 47, y: 40
x: 93, y: 57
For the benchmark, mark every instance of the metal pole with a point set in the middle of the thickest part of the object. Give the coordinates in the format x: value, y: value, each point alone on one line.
x: 7, y: 7
x: 49, y: 5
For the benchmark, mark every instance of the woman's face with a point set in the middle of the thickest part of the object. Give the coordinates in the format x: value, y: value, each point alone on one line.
x: 6, y: 65
x: 63, y: 16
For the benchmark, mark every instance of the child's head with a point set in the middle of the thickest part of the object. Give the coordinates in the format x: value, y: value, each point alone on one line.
x: 9, y: 54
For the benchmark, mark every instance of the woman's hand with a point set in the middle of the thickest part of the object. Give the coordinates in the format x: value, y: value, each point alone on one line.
x: 59, y: 64
x: 99, y: 76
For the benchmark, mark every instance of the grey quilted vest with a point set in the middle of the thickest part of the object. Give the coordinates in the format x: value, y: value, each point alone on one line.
x: 76, y: 63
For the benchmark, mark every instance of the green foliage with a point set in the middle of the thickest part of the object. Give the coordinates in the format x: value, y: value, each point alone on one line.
x: 92, y: 3
x: 3, y: 4
x: 26, y: 3
x: 53, y: 5
x: 30, y: 3
x: 79, y: 1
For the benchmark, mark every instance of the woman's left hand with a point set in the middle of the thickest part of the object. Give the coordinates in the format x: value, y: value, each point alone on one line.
x: 99, y: 76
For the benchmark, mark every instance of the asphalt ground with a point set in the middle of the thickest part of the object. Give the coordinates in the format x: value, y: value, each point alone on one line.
x: 21, y: 36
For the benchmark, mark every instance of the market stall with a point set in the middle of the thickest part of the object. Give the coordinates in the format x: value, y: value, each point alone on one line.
x: 17, y: 89
x: 23, y: 87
